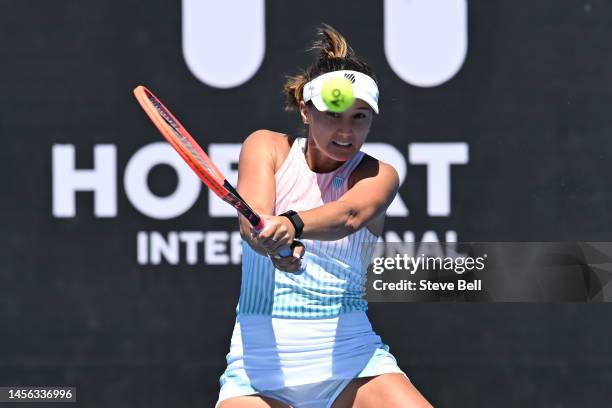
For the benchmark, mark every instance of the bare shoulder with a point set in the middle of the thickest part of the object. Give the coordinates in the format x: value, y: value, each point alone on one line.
x: 371, y: 167
x: 267, y: 143
x: 265, y: 139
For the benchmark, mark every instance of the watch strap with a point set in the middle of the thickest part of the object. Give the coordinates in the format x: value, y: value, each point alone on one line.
x: 296, y: 221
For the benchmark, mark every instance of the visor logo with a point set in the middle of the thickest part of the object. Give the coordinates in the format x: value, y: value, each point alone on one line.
x: 350, y: 77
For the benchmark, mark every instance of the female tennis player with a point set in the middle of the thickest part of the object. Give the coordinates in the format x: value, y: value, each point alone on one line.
x: 302, y: 338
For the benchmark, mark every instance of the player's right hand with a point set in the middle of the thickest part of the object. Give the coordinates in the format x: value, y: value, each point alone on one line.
x: 277, y: 234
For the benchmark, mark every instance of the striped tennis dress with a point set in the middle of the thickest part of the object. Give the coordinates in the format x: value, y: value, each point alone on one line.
x: 310, y: 326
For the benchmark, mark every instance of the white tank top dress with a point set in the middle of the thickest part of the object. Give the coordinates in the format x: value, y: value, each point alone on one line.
x: 301, y: 337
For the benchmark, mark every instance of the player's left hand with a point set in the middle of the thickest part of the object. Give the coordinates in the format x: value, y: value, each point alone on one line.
x: 291, y: 263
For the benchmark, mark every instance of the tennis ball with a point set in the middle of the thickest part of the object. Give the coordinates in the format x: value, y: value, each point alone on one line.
x: 337, y: 94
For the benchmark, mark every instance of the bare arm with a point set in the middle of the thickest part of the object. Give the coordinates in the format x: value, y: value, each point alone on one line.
x: 257, y: 185
x: 256, y: 182
x: 366, y: 200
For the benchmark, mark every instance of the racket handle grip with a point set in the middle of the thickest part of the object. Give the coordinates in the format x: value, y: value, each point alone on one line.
x: 284, y: 252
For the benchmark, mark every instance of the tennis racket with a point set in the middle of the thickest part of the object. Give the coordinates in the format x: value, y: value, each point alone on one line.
x: 195, y: 157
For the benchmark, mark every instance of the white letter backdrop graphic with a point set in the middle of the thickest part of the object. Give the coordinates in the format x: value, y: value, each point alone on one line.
x: 224, y: 42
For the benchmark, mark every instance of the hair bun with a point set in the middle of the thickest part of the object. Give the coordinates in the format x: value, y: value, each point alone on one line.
x: 332, y: 45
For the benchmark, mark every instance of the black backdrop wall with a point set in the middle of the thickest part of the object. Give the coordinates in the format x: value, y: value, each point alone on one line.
x: 131, y: 298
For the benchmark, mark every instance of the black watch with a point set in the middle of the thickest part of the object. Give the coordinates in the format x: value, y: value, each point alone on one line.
x: 295, y: 219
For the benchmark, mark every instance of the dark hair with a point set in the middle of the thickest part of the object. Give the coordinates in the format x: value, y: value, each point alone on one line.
x: 332, y: 54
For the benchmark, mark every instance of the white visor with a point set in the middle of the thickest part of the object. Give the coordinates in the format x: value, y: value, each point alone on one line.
x: 364, y: 88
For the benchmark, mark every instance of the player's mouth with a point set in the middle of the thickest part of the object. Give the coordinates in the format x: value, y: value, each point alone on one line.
x: 344, y: 145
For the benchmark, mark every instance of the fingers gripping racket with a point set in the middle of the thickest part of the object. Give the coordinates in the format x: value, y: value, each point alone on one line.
x: 195, y: 157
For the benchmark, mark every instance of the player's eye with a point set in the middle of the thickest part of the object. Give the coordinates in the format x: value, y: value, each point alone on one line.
x: 333, y: 115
